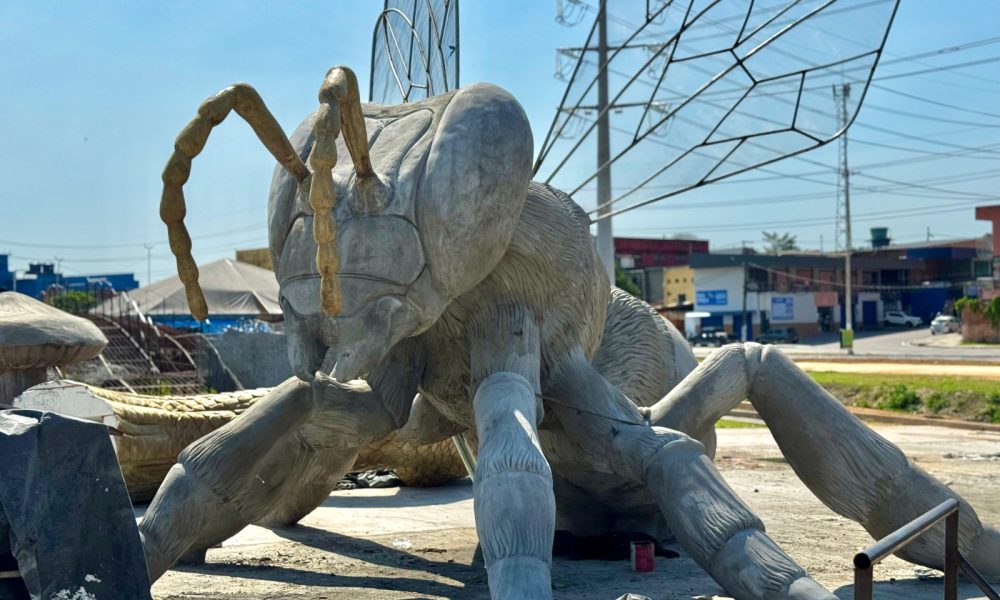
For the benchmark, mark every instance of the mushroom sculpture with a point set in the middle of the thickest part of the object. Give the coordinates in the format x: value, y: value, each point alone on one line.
x: 34, y: 337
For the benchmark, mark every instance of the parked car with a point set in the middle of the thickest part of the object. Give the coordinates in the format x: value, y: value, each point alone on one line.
x: 900, y: 318
x: 945, y: 324
x: 779, y: 335
x: 711, y: 337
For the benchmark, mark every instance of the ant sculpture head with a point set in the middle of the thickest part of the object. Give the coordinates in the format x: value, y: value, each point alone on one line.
x: 370, y: 252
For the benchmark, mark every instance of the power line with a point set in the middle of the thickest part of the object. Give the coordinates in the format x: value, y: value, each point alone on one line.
x: 799, y: 157
x: 867, y: 286
x: 898, y: 186
x: 962, y: 65
x: 244, y: 229
x: 936, y: 102
x: 936, y: 189
x: 827, y: 169
x: 928, y: 157
x: 990, y: 149
x: 816, y: 221
x: 920, y: 139
x: 935, y: 119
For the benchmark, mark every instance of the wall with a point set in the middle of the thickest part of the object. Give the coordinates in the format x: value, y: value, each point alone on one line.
x: 43, y: 276
x: 678, y: 281
x: 925, y: 303
x: 651, y: 284
x: 6, y: 277
x: 643, y: 252
x: 803, y: 305
x: 260, y: 257
x: 728, y: 279
x: 804, y: 316
x: 257, y: 359
x: 977, y: 328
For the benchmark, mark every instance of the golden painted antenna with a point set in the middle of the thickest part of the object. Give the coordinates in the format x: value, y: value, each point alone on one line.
x: 248, y: 104
x: 339, y: 111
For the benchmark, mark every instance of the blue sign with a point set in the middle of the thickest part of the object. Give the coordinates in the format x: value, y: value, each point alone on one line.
x: 782, y: 308
x: 712, y: 298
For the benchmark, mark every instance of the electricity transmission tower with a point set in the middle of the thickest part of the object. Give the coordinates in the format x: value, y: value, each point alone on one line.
x: 841, y: 96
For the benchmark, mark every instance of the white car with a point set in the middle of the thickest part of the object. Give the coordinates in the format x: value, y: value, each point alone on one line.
x: 945, y: 324
x: 898, y: 317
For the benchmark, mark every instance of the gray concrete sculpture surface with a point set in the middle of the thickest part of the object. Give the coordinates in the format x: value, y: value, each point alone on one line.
x: 154, y: 429
x: 442, y: 273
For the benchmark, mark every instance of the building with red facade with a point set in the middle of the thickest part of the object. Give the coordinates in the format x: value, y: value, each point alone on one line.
x: 642, y: 253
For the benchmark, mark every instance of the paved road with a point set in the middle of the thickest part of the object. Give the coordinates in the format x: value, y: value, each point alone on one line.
x: 898, y: 344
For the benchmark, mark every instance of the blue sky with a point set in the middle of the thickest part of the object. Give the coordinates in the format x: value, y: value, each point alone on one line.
x: 94, y: 93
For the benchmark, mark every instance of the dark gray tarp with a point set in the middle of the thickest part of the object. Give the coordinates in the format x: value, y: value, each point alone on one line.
x: 72, y: 528
x: 230, y: 287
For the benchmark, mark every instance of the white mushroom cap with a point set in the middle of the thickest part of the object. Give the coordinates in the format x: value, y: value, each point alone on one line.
x: 34, y: 335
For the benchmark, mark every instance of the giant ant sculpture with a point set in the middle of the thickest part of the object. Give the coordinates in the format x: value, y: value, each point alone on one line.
x: 430, y: 266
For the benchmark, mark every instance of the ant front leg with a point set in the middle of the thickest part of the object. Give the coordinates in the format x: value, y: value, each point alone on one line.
x: 274, y: 463
x: 850, y: 468
x: 713, y: 524
x: 514, y: 502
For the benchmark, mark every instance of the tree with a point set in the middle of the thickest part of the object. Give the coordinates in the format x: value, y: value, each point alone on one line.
x: 71, y: 301
x: 778, y: 243
x: 625, y: 283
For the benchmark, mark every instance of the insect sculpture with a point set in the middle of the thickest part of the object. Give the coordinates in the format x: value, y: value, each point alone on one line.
x: 429, y: 286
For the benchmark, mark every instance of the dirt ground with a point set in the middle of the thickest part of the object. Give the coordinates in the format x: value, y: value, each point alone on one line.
x: 421, y: 543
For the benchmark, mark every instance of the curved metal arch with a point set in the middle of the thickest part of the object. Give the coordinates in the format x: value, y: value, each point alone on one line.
x: 383, y: 19
x: 390, y: 49
x: 717, y: 84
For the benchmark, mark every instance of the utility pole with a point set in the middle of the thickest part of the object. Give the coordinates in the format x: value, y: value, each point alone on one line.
x: 605, y: 237
x: 605, y: 234
x: 847, y: 335
x: 149, y: 262
x: 745, y: 328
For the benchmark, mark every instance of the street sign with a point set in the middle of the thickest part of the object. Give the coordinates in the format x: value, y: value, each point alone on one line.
x: 782, y: 308
x: 711, y: 298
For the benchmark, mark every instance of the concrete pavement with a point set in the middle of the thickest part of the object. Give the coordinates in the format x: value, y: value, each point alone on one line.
x: 895, y: 344
x: 421, y: 543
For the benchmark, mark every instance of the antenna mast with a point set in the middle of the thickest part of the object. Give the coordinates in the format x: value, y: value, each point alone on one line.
x: 841, y: 94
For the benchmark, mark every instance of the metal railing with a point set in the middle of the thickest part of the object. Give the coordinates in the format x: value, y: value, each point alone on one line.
x: 865, y: 561
x: 141, y: 356
x: 213, y: 370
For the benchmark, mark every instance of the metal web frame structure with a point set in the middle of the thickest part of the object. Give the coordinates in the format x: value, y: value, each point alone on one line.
x: 415, y: 51
x: 720, y: 87
x: 739, y: 80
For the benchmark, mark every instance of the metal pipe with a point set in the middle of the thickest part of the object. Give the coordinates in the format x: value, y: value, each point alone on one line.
x: 951, y: 555
x: 977, y: 579
x: 465, y: 453
x: 875, y: 553
x: 863, y: 583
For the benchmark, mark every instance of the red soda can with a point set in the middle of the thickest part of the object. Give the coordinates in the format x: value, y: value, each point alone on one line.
x: 642, y: 556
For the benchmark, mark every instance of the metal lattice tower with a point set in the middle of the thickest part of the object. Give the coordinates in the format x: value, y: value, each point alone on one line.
x: 841, y: 235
